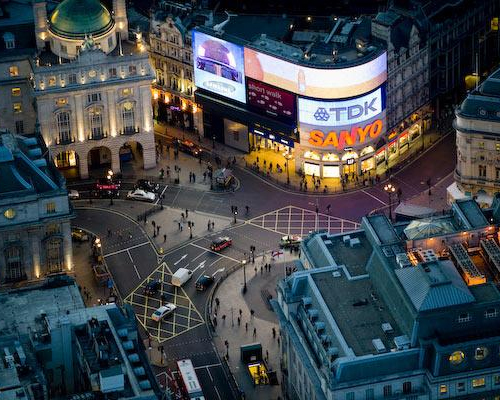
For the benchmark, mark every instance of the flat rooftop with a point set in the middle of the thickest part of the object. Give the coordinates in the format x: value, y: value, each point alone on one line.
x: 358, y: 311
x: 353, y: 258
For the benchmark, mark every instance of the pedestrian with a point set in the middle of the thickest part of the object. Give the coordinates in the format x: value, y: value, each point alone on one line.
x: 153, y: 223
x: 217, y: 302
x: 182, y: 216
x: 215, y: 321
x: 254, y: 333
x: 267, y: 355
x: 278, y: 341
x: 158, y: 229
x: 164, y: 238
x: 328, y: 208
x: 274, y: 333
x: 179, y: 225
x: 261, y: 269
x: 269, y: 266
x: 224, y: 318
x: 204, y: 176
x: 252, y: 312
x: 239, y: 321
x: 265, y: 267
x: 194, y: 178
x: 213, y: 225
x: 182, y: 226
x: 246, y: 326
x: 187, y: 213
x: 208, y: 225
x: 241, y: 312
x: 255, y: 269
x: 109, y: 232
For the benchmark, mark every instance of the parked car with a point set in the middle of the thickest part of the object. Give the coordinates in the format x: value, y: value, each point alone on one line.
x: 152, y: 288
x: 187, y: 146
x: 292, y: 241
x: 147, y: 185
x: 163, y: 312
x: 221, y: 243
x: 73, y: 194
x: 203, y: 282
x: 141, y: 195
x: 79, y: 235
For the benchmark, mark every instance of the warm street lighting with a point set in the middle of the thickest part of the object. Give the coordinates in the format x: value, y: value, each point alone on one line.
x: 288, y: 157
x: 244, y: 263
x: 390, y: 189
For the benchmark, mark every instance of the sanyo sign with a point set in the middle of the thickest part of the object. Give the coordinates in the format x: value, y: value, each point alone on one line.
x: 343, y: 112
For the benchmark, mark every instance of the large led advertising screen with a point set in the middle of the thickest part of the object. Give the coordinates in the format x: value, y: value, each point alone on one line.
x: 273, y: 101
x: 320, y: 83
x: 335, y: 125
x: 218, y: 66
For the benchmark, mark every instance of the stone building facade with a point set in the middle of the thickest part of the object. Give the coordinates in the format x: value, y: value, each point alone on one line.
x: 35, y: 231
x: 93, y: 96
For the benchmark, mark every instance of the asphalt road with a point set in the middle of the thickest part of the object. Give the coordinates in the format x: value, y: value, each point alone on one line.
x: 133, y: 260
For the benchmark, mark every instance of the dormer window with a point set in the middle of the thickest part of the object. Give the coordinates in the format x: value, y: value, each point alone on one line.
x: 10, y: 41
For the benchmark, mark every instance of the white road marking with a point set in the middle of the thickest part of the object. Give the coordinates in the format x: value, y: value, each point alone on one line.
x: 219, y: 270
x: 374, y: 197
x: 127, y: 249
x: 132, y: 261
x: 217, y: 391
x: 208, y: 365
x: 216, y: 261
x: 200, y: 266
x: 199, y: 255
x: 180, y: 259
x: 161, y: 194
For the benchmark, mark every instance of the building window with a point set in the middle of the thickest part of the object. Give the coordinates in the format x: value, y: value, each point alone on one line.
x: 349, y: 396
x: 480, y: 353
x: 406, y: 387
x: 72, y: 79
x: 54, y: 255
x: 13, y: 70
x: 61, y: 101
x: 132, y: 70
x: 497, y: 146
x: 457, y: 357
x: 482, y: 171
x: 19, y: 127
x: 10, y: 213
x: 128, y: 118
x: 52, y: 81
x: 443, y: 389
x: 481, y: 145
x: 460, y: 386
x: 53, y: 229
x: 465, y: 317
x: 478, y: 383
x: 64, y: 49
x: 496, y: 380
x: 9, y: 39
x: 93, y: 97
x: 17, y: 108
x: 112, y: 72
x: 64, y: 127
x: 95, y: 122
x: 127, y: 92
x: 15, y: 92
x: 14, y: 266
x: 497, y: 173
x: 369, y: 394
x: 110, y: 41
x: 491, y: 312
x: 50, y: 207
x: 387, y: 390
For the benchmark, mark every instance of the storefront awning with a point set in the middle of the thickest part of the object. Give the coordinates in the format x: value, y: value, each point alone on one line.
x: 241, y: 114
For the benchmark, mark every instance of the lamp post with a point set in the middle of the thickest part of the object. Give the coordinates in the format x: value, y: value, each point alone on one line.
x: 390, y: 189
x: 110, y: 179
x: 244, y: 263
x: 288, y: 157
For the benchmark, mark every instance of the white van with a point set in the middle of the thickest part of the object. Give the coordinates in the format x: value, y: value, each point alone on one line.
x: 181, y: 276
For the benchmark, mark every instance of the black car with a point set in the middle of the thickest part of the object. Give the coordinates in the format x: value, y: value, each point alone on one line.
x: 147, y: 185
x: 203, y: 282
x: 152, y: 288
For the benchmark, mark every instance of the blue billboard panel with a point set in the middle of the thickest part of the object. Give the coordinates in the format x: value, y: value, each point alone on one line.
x: 219, y: 66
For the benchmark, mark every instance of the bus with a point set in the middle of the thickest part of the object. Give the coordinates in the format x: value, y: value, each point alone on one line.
x: 190, y: 380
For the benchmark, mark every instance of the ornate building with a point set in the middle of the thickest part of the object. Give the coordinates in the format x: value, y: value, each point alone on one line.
x: 35, y: 232
x: 92, y: 86
x: 477, y: 125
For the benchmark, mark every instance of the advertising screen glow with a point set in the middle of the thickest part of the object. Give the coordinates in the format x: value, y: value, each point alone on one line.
x: 273, y: 101
x: 316, y: 82
x: 218, y: 66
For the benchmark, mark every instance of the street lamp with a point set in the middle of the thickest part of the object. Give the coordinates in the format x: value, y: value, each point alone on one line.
x: 288, y: 157
x: 390, y: 189
x: 244, y: 263
x: 110, y: 179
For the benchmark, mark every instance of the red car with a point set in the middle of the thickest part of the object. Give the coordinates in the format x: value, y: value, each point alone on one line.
x: 221, y: 243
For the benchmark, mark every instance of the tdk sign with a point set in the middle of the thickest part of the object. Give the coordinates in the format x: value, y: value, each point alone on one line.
x: 340, y: 113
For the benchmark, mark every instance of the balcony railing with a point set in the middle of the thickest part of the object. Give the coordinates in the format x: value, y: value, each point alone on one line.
x: 130, y: 130
x: 97, y: 136
x: 65, y: 140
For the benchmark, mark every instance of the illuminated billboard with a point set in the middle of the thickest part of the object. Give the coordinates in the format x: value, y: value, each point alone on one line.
x: 320, y: 83
x: 218, y: 66
x: 273, y: 101
x: 335, y: 125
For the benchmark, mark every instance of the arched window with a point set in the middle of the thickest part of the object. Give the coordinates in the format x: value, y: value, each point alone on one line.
x: 14, y: 264
x: 53, y: 252
x: 128, y: 117
x: 63, y: 127
x: 95, y: 123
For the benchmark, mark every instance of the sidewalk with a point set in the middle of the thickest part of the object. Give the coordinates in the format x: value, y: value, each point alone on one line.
x: 251, y: 329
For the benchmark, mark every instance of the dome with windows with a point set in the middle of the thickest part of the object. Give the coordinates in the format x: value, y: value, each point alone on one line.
x: 75, y: 19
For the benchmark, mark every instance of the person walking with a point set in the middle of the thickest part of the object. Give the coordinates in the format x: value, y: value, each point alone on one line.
x: 252, y: 312
x: 208, y: 225
x: 246, y: 326
x: 254, y: 333
x: 164, y: 238
x: 239, y: 321
x: 187, y: 213
x: 213, y: 225
x: 274, y: 333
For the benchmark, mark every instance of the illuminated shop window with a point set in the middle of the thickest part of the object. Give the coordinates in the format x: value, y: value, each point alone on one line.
x: 9, y: 213
x: 52, y: 81
x: 348, y: 155
x: 443, y: 389
x: 330, y: 157
x: 481, y: 353
x: 478, y: 383
x: 15, y: 91
x: 14, y: 71
x: 367, y: 150
x: 456, y: 357
x: 311, y: 155
x: 17, y: 108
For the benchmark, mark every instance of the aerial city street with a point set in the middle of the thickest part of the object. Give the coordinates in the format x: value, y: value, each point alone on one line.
x: 233, y: 200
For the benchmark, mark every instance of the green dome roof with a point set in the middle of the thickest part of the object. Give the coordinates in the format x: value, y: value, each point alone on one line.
x: 74, y: 19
